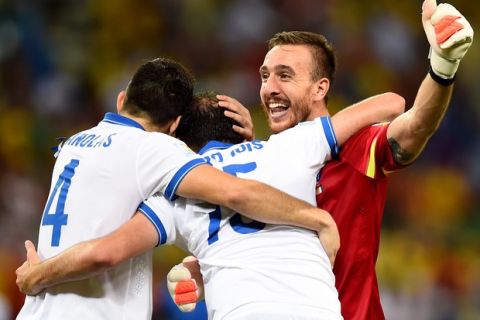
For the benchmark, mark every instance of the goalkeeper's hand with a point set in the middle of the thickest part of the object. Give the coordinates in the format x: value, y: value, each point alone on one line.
x: 185, y: 284
x: 449, y: 34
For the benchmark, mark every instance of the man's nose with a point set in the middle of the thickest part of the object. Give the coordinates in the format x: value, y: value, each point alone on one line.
x: 270, y: 86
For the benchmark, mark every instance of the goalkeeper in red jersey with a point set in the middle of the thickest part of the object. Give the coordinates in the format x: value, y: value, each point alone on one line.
x: 353, y: 188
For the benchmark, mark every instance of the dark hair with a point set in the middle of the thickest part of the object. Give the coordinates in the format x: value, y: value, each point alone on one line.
x: 160, y: 89
x: 205, y: 121
x: 322, y: 51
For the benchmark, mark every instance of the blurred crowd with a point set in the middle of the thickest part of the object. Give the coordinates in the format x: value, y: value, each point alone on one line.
x: 62, y: 63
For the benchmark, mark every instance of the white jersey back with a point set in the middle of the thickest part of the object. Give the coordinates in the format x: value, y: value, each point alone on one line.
x: 100, y: 177
x: 252, y: 270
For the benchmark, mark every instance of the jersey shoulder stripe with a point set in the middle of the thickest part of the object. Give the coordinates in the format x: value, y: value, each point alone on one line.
x: 179, y: 175
x: 155, y: 220
x: 330, y: 135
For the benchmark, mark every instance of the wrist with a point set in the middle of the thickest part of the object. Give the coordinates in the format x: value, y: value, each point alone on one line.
x: 325, y: 220
x: 442, y: 67
x: 440, y: 80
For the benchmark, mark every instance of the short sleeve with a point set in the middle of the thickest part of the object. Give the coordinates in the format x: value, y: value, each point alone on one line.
x: 161, y: 214
x: 368, y: 152
x: 313, y: 141
x: 162, y: 163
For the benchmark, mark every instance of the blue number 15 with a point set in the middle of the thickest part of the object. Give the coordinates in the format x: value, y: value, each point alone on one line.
x: 236, y: 220
x: 59, y: 218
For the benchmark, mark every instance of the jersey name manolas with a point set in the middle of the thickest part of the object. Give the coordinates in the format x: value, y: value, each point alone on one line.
x: 100, y: 177
x: 271, y: 272
x: 353, y: 190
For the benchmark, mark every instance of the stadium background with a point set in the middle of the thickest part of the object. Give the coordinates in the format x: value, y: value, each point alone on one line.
x: 63, y: 62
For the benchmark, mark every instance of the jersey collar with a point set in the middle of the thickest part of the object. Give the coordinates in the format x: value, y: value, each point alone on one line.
x: 214, y: 145
x: 115, y: 118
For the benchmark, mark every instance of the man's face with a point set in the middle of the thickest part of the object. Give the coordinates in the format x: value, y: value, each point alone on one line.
x: 287, y: 87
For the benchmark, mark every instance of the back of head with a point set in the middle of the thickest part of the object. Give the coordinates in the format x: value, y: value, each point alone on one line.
x: 322, y: 51
x: 160, y: 89
x: 205, y: 121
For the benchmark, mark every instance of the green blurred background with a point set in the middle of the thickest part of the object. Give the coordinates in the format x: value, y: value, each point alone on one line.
x: 62, y: 63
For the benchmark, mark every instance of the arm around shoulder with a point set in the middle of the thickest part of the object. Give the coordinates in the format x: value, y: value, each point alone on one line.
x: 89, y: 258
x: 379, y: 108
x: 252, y: 199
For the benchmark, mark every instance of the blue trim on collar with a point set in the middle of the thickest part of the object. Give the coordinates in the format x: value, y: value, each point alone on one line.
x: 214, y: 145
x: 115, y: 118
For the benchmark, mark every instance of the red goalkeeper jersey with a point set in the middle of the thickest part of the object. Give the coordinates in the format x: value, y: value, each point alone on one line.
x: 353, y: 189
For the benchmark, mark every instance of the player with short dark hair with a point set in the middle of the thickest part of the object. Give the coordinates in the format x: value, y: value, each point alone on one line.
x: 213, y: 126
x: 160, y: 90
x: 101, y: 176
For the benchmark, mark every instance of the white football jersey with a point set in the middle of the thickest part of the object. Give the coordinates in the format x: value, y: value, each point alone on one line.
x: 100, y: 177
x: 252, y: 270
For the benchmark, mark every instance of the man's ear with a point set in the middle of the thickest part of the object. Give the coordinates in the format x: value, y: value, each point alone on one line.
x: 321, y: 89
x: 174, y: 125
x: 120, y: 99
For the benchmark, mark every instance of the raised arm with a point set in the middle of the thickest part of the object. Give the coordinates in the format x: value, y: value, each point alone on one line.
x: 450, y: 35
x: 86, y: 259
x: 379, y: 108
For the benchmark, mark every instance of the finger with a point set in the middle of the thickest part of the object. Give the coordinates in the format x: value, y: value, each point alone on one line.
x: 183, y: 298
x: 232, y: 104
x: 32, y: 256
x: 223, y: 97
x: 189, y: 259
x: 428, y: 8
x: 236, y: 117
x: 171, y: 288
x: 178, y: 273
x: 443, y: 10
x: 459, y: 38
x: 188, y: 307
x: 243, y: 132
x: 447, y: 27
x: 20, y: 269
x: 191, y: 263
x: 186, y: 286
x: 233, y: 107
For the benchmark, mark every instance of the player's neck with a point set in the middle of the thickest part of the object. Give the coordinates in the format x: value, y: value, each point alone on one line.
x: 317, y: 110
x: 147, y: 124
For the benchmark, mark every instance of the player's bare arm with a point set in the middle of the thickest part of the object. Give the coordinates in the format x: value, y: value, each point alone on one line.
x: 379, y: 108
x: 252, y: 199
x: 449, y: 40
x: 86, y: 259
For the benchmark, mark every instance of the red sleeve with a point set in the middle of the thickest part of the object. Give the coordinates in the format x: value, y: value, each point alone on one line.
x: 368, y: 152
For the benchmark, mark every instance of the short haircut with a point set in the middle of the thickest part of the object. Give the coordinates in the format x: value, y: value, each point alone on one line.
x: 322, y: 51
x: 160, y: 89
x: 205, y: 121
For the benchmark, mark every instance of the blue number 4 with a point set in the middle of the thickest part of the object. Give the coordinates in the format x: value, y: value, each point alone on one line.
x: 59, y: 218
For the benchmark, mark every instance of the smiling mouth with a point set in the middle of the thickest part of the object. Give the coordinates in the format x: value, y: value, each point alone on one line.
x: 277, y: 110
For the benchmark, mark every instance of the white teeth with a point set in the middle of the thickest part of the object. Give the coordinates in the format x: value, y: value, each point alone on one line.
x: 274, y: 105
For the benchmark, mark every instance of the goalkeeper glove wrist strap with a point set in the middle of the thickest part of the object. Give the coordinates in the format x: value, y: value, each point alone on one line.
x: 440, y: 80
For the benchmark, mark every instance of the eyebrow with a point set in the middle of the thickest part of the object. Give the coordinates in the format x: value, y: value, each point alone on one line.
x: 278, y: 68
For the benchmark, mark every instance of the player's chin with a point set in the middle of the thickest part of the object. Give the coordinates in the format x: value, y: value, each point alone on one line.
x: 280, y: 125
